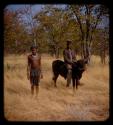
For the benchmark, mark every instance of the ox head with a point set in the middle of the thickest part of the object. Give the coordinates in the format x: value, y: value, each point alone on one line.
x: 81, y: 64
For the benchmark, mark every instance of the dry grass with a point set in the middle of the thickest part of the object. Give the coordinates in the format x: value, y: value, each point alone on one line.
x: 90, y: 102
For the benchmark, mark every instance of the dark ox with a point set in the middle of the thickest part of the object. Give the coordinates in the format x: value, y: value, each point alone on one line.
x: 59, y: 68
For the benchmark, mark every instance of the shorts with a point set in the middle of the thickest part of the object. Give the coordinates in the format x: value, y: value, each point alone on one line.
x: 35, y: 76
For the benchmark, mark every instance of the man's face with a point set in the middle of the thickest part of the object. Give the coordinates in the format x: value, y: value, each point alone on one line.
x: 69, y: 46
x: 34, y: 51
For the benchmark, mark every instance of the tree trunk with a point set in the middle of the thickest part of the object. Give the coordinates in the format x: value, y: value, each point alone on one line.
x: 103, y: 56
x: 86, y: 51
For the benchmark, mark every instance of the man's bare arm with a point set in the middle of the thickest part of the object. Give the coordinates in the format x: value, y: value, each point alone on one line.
x: 28, y: 69
x: 40, y: 67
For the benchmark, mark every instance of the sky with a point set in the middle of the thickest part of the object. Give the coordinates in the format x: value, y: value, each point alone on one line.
x: 15, y: 7
x: 36, y: 7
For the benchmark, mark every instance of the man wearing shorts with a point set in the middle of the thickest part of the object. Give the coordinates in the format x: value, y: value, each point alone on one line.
x: 34, y: 71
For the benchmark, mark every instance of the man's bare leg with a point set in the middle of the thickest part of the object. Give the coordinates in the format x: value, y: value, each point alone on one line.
x: 32, y: 90
x: 37, y: 91
x: 69, y: 74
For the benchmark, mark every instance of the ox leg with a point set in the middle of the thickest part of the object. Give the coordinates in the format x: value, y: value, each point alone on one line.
x: 77, y: 83
x: 55, y: 79
x: 73, y: 85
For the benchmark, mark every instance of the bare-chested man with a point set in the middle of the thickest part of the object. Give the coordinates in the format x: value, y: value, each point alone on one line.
x: 34, y: 71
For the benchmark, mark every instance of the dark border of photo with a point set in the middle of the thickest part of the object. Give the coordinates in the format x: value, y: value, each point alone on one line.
x: 3, y: 4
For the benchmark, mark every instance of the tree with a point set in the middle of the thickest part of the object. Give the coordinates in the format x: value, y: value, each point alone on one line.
x: 101, y: 44
x: 52, y: 26
x: 29, y: 22
x: 59, y: 28
x: 88, y: 18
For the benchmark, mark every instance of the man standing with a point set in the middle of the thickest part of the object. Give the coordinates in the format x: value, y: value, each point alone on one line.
x: 69, y: 58
x: 34, y: 71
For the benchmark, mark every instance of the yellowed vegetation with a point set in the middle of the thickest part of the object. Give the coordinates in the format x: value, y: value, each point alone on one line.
x: 90, y: 102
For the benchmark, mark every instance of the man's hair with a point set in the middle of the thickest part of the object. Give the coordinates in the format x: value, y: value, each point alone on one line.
x: 32, y: 47
x: 68, y: 42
